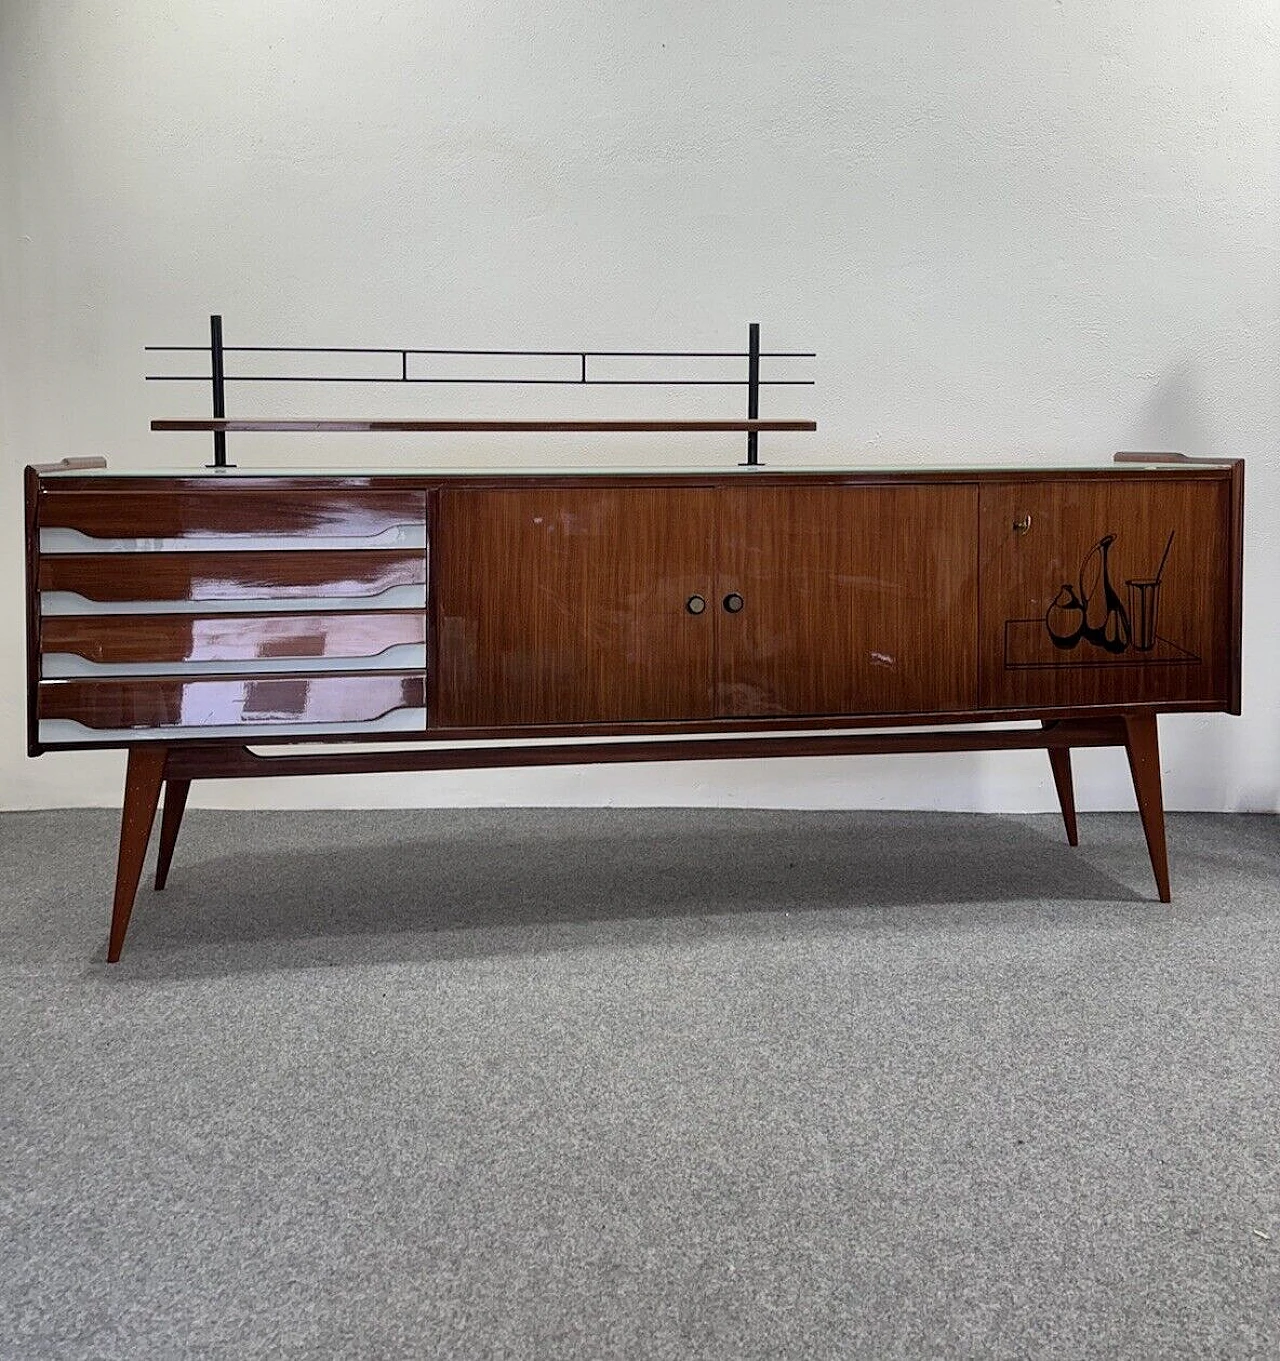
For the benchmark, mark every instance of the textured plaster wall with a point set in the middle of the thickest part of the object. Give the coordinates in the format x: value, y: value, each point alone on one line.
x: 1032, y: 230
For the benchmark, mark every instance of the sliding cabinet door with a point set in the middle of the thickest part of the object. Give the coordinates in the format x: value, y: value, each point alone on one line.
x: 847, y: 600
x: 573, y: 605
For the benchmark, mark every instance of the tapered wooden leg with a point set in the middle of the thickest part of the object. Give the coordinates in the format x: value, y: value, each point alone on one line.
x: 142, y: 783
x: 1143, y: 747
x: 1060, y: 764
x: 175, y: 803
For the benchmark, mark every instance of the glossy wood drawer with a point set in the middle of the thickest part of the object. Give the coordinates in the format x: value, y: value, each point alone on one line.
x: 229, y: 512
x: 232, y: 702
x: 162, y: 642
x: 194, y: 577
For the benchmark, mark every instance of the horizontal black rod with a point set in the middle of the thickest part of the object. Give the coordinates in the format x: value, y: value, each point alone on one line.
x: 527, y: 354
x: 514, y: 382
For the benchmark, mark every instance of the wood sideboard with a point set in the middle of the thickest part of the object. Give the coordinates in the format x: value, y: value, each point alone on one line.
x: 194, y: 617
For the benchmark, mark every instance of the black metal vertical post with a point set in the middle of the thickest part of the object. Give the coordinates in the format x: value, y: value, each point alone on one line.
x: 753, y: 391
x: 219, y: 391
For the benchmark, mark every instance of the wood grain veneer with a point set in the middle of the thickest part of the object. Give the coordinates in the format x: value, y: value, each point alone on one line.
x: 856, y: 600
x: 209, y: 510
x: 215, y: 702
x: 231, y: 576
x: 1024, y: 573
x: 572, y: 606
x: 172, y: 638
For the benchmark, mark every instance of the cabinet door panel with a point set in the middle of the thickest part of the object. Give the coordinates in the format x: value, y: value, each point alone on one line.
x: 856, y: 600
x: 1107, y: 592
x: 569, y: 605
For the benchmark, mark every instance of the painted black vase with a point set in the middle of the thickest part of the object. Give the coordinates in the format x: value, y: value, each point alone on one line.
x: 1106, y: 621
x: 1065, y: 618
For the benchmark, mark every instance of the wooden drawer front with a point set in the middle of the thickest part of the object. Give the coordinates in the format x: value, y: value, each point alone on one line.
x: 74, y: 520
x: 239, y: 643
x: 241, y: 577
x: 173, y: 706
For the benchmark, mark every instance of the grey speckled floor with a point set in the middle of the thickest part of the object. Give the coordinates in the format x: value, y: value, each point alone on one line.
x: 641, y: 1083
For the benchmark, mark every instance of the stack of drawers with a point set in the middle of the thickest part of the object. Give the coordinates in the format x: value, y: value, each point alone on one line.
x: 167, y: 611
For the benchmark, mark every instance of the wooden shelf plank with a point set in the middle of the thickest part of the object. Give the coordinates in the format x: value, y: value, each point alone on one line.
x: 309, y: 425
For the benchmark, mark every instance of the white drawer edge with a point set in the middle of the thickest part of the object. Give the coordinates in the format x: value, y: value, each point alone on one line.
x: 400, y: 657
x: 55, y: 541
x: 55, y: 731
x: 394, y: 598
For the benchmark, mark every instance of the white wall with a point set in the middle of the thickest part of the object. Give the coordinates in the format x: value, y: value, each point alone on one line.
x: 1033, y: 230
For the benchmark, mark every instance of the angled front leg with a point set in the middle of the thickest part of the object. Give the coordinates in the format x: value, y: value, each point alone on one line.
x: 1142, y: 745
x: 142, y: 783
x: 175, y: 802
x: 1060, y: 764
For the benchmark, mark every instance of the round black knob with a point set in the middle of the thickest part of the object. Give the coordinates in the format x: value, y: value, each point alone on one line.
x: 733, y: 602
x: 695, y: 604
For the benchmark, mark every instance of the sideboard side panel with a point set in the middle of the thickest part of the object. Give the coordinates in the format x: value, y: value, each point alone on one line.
x: 1235, y: 632
x: 31, y: 522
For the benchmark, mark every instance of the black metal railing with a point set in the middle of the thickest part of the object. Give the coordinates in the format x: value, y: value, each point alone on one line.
x: 581, y: 376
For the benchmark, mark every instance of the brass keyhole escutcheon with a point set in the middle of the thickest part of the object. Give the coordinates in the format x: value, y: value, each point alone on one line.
x: 1022, y: 525
x: 695, y: 604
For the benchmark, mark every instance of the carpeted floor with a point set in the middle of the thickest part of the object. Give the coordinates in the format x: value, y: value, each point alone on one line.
x: 690, y: 1083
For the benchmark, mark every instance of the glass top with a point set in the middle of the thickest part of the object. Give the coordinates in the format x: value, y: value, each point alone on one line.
x: 639, y: 470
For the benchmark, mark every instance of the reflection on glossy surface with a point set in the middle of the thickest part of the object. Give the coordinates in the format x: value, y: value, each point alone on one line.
x: 60, y: 603
x: 73, y: 541
x: 407, y: 657
x: 230, y: 576
x: 567, y: 603
x: 165, y: 638
x: 57, y: 731
x: 317, y: 513
x: 192, y: 704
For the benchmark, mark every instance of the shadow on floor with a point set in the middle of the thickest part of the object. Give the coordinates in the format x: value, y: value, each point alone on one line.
x: 249, y: 891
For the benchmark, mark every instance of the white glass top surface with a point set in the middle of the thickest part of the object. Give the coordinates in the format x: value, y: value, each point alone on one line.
x: 630, y: 470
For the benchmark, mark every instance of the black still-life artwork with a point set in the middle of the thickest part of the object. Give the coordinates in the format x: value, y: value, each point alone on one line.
x: 1117, y: 620
x: 1097, y: 613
